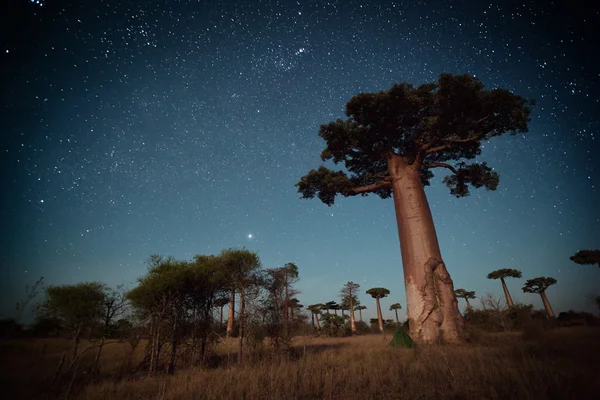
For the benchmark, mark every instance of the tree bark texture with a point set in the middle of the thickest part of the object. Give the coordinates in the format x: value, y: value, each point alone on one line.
x: 231, y: 313
x: 379, y: 315
x: 431, y: 305
x: 547, y: 305
x: 509, y: 300
x: 241, y: 331
x: 351, y: 312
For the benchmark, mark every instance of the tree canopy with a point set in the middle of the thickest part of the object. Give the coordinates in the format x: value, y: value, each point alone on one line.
x: 395, y: 306
x: 465, y: 294
x: 378, y: 293
x: 504, y: 273
x: 586, y: 257
x: 538, y: 285
x: 427, y: 125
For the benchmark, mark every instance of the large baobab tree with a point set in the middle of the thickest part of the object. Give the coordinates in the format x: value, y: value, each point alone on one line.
x: 349, y: 296
x: 378, y: 294
x: 359, y: 309
x: 465, y: 294
x: 395, y: 307
x: 539, y: 286
x: 502, y: 274
x: 586, y: 257
x: 389, y: 144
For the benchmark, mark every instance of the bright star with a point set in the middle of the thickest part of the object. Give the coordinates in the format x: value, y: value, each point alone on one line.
x: 249, y: 236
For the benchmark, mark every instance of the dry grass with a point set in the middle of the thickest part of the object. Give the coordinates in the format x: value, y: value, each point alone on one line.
x: 561, y: 366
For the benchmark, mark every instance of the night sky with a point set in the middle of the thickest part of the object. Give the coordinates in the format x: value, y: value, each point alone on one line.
x: 180, y: 127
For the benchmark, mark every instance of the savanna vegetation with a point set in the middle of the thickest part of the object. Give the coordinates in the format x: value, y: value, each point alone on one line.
x: 170, y: 336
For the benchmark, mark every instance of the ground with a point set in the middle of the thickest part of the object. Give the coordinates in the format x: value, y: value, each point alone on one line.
x: 560, y: 364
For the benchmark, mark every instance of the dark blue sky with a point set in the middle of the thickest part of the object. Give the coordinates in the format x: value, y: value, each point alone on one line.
x: 180, y: 127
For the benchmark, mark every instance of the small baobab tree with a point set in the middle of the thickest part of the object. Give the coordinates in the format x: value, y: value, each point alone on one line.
x: 539, y: 286
x: 395, y: 307
x: 315, y: 311
x: 378, y: 294
x: 359, y: 309
x: 349, y: 297
x: 220, y: 303
x: 502, y: 274
x: 465, y: 294
x: 586, y: 257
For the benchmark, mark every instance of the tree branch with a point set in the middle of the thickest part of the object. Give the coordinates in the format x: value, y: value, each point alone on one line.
x: 427, y: 149
x: 442, y: 165
x: 383, y: 184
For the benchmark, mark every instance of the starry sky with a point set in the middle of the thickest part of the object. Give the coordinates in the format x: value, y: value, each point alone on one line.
x: 180, y: 127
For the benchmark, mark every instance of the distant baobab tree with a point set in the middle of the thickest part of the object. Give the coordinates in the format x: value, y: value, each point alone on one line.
x: 587, y: 257
x: 395, y: 307
x: 378, y: 294
x: 465, y: 294
x: 539, y: 286
x: 315, y: 311
x: 221, y: 302
x: 390, y: 144
x: 503, y: 274
x: 359, y: 309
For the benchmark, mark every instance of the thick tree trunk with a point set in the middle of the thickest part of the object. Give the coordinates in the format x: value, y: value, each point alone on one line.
x: 379, y: 315
x: 360, y: 313
x: 509, y: 300
x: 352, y: 321
x: 318, y: 323
x: 335, y: 311
x: 468, y: 304
x: 241, y: 331
x: 231, y: 313
x: 221, y: 317
x: 396, y: 316
x: 431, y: 305
x: 547, y: 305
x: 312, y: 314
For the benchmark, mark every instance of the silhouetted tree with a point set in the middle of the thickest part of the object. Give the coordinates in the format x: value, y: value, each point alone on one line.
x: 221, y: 302
x: 586, y: 257
x: 465, y: 294
x: 359, y: 309
x: 539, y: 286
x: 315, y: 310
x: 378, y: 294
x: 389, y: 145
x: 503, y: 274
x: 395, y: 307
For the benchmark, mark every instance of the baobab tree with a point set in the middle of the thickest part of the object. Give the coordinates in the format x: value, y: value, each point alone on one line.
x: 330, y: 305
x: 465, y: 294
x: 220, y: 303
x: 539, y: 286
x: 378, y: 294
x: 315, y: 310
x: 395, y: 307
x: 349, y: 293
x: 586, y: 257
x: 389, y: 144
x: 503, y: 274
x: 359, y: 309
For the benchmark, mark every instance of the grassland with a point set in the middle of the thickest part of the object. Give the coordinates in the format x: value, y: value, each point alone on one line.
x: 560, y: 364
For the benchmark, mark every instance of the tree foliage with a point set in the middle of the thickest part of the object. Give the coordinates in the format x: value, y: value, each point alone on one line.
x: 538, y: 285
x: 586, y: 257
x: 465, y: 294
x: 378, y: 293
x: 504, y: 273
x: 429, y: 125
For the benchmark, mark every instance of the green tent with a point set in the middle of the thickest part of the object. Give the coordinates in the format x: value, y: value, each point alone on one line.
x: 402, y: 340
